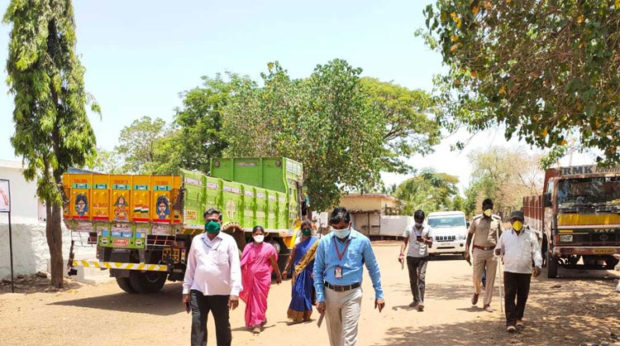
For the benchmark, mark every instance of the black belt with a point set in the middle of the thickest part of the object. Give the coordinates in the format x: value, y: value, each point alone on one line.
x: 485, y: 248
x: 338, y: 288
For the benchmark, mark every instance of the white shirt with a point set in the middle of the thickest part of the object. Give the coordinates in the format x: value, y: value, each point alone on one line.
x: 519, y: 250
x: 416, y: 248
x: 213, y: 266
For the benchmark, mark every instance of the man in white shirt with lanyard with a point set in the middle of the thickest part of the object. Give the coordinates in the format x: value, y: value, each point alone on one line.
x: 518, y: 248
x: 212, y: 280
x: 418, y: 239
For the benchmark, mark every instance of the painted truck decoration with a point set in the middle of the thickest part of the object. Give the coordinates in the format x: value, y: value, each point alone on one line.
x: 578, y: 217
x: 143, y: 225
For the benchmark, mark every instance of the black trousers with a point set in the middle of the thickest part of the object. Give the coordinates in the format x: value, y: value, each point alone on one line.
x: 417, y: 276
x: 201, y: 305
x: 515, y: 286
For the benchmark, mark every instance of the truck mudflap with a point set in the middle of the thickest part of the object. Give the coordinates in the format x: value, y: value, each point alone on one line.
x: 121, y: 265
x: 586, y: 250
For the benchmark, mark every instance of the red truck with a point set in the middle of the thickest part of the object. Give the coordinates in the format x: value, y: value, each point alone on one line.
x: 578, y: 217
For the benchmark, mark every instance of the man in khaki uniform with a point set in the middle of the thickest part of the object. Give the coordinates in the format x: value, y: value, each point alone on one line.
x: 485, y: 229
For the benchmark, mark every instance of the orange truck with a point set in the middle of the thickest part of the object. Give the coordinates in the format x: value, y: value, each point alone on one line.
x: 578, y: 215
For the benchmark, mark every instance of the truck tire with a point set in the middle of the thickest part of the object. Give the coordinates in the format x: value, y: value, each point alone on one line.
x: 552, y: 266
x: 125, y: 285
x: 147, y: 282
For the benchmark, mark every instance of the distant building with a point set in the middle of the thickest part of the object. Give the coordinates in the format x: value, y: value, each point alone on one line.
x: 368, y: 210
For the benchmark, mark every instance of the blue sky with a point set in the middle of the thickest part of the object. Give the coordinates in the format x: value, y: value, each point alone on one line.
x: 139, y: 55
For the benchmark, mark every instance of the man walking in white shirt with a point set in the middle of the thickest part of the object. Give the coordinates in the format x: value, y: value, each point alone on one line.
x: 212, y: 280
x: 518, y: 248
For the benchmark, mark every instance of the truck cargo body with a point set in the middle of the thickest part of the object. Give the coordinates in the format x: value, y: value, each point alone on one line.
x: 578, y: 216
x: 143, y: 225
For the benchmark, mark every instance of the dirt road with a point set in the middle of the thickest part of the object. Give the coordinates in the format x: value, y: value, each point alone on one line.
x: 562, y: 311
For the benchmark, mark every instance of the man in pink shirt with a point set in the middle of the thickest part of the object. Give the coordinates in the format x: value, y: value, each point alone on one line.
x: 212, y: 280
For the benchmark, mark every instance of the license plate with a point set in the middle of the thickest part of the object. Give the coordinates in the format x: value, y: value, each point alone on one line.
x: 121, y: 242
x: 605, y: 251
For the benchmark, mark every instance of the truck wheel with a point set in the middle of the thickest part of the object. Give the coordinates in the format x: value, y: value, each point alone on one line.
x: 147, y: 282
x: 125, y: 285
x: 552, y: 266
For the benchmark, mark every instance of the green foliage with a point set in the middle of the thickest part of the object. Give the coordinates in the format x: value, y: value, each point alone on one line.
x: 405, y: 113
x: 105, y: 161
x: 52, y: 131
x: 429, y: 191
x: 137, y: 145
x: 542, y: 69
x: 199, y: 137
x: 505, y: 176
x: 344, y: 130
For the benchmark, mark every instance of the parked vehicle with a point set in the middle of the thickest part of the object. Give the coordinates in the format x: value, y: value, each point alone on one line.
x: 143, y: 225
x: 449, y: 231
x: 578, y: 214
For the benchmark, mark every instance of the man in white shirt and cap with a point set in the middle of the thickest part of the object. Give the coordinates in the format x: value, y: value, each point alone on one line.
x: 518, y: 248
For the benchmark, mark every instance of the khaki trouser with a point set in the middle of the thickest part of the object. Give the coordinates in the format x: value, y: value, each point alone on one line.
x: 342, y: 313
x: 484, y: 259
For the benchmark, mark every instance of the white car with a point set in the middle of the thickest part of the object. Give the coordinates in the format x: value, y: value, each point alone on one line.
x: 449, y: 232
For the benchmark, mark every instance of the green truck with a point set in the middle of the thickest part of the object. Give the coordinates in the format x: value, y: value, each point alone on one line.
x: 143, y: 225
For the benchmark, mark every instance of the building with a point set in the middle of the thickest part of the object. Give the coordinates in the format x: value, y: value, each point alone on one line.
x: 368, y: 210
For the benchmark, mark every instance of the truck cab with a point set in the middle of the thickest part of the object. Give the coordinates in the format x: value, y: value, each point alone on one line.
x: 449, y: 232
x: 579, y: 217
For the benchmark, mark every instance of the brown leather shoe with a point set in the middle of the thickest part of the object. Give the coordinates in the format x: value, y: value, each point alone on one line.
x: 474, y: 299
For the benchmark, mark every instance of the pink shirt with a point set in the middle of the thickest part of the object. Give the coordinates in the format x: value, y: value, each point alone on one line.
x: 213, y: 266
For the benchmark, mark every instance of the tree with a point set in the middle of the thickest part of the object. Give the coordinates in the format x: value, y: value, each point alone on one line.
x: 137, y: 145
x: 505, y: 176
x: 105, y: 161
x: 543, y: 69
x: 52, y: 130
x: 429, y: 191
x: 322, y: 121
x: 408, y: 129
x: 345, y: 131
x: 199, y: 121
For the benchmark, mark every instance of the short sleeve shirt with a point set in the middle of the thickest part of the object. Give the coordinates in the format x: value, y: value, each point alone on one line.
x: 486, y: 231
x: 416, y: 248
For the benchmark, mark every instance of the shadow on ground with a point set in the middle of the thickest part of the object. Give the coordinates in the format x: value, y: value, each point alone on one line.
x: 165, y: 302
x: 559, y: 312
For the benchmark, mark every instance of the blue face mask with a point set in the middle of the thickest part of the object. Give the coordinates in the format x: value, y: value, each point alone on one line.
x: 342, y: 233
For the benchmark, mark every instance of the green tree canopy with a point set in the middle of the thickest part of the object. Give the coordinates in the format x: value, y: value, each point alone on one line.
x: 429, y: 190
x: 540, y: 68
x: 345, y: 130
x: 137, y: 145
x: 52, y: 130
x: 199, y: 137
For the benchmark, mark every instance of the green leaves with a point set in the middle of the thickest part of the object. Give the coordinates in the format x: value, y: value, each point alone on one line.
x: 52, y: 131
x: 542, y: 69
x: 429, y: 191
x: 344, y: 129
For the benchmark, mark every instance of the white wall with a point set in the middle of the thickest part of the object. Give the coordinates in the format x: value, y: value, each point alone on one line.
x: 30, y: 251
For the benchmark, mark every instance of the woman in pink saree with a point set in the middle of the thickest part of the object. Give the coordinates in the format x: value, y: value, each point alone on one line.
x: 259, y: 259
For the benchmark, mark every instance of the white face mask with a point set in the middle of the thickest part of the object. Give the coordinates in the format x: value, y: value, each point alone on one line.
x: 342, y: 233
x: 418, y: 224
x: 259, y: 238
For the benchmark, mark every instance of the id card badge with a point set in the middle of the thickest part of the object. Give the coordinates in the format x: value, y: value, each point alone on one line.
x: 338, y: 272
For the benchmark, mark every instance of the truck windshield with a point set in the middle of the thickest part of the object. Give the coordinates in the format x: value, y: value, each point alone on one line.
x: 600, y: 193
x: 446, y: 221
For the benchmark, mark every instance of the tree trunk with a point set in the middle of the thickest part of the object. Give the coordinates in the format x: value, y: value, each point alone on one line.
x: 53, y: 232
